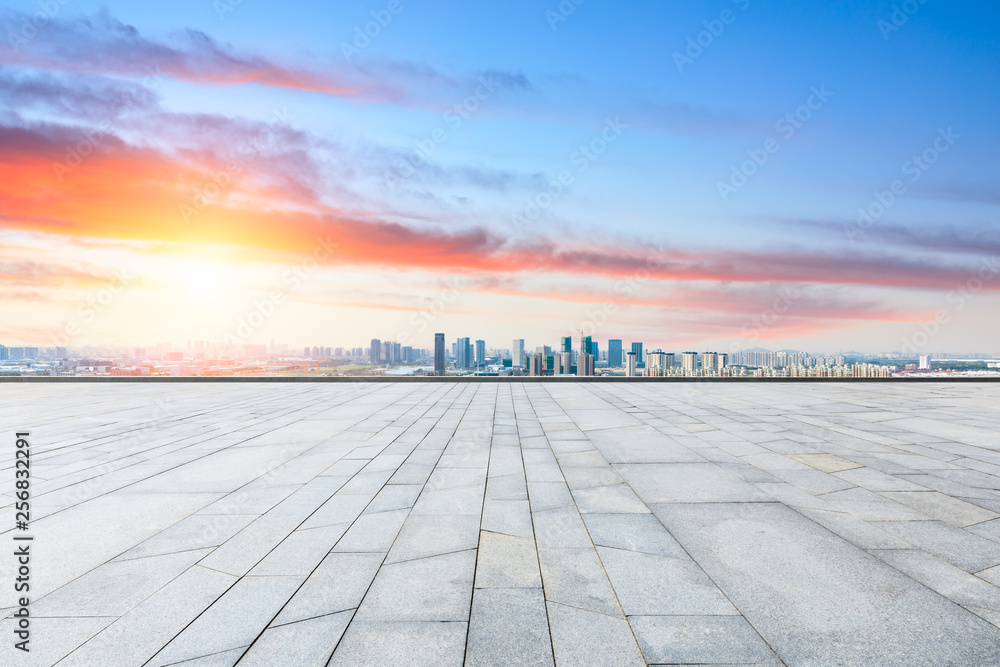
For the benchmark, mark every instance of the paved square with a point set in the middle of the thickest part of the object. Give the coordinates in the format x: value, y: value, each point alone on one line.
x: 506, y: 523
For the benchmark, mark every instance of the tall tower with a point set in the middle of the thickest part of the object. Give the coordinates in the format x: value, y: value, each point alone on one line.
x: 517, y: 353
x: 615, y: 357
x: 439, y: 353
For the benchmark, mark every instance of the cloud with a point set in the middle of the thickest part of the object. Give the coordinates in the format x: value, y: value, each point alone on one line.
x: 101, y: 44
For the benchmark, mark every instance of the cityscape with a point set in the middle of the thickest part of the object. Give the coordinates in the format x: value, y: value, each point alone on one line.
x: 582, y: 356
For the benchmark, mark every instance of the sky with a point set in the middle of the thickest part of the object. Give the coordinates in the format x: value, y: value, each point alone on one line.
x: 714, y: 175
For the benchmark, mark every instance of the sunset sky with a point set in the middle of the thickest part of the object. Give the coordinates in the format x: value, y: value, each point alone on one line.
x: 499, y: 170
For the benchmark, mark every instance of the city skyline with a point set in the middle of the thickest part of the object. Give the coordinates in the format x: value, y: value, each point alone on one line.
x: 807, y: 177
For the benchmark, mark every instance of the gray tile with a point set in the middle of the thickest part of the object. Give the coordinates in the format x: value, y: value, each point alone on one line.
x: 505, y: 561
x: 373, y: 533
x: 411, y: 643
x: 654, y: 585
x: 509, y: 627
x: 438, y: 588
x: 582, y: 637
x: 965, y: 550
x: 233, y: 621
x: 940, y: 506
x: 954, y: 583
x: 700, y: 640
x: 114, y: 588
x: 338, y: 584
x: 608, y: 500
x: 792, y: 579
x: 576, y: 577
x: 433, y: 535
x: 306, y: 643
x: 688, y: 483
x: 138, y: 635
x: 510, y: 517
x: 633, y: 532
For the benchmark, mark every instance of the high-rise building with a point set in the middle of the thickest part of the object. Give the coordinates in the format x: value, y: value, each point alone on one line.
x: 375, y: 352
x: 659, y: 362
x: 439, y: 353
x: 517, y: 353
x: 480, y: 353
x: 631, y: 365
x: 585, y: 365
x: 586, y: 343
x: 407, y: 353
x: 462, y: 356
x: 689, y: 363
x: 536, y: 362
x: 567, y: 344
x: 709, y: 363
x: 615, y: 357
x: 925, y: 362
x: 640, y: 360
x: 3, y: 353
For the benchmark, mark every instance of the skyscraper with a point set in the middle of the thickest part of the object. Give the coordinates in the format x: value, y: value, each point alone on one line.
x: 689, y: 362
x: 480, y: 353
x: 640, y: 360
x: 631, y: 365
x: 439, y: 353
x: 586, y: 344
x: 517, y: 353
x: 536, y: 363
x: 375, y: 351
x: 615, y: 353
x: 585, y: 365
x: 463, y: 353
x: 709, y: 363
x: 567, y: 344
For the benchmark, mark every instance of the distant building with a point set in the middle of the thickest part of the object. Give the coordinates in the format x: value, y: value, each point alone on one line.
x: 480, y: 353
x: 659, y: 362
x: 640, y: 360
x: 689, y: 363
x: 615, y: 356
x: 439, y: 353
x: 585, y: 365
x: 567, y: 344
x: 631, y: 365
x: 536, y: 362
x: 375, y: 352
x: 925, y: 362
x: 517, y: 353
x: 463, y: 353
x: 709, y: 363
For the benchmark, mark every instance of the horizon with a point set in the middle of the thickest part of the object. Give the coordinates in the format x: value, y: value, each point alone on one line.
x: 727, y: 174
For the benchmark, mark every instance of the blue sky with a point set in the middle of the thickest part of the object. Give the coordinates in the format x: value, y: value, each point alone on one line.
x: 889, y: 92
